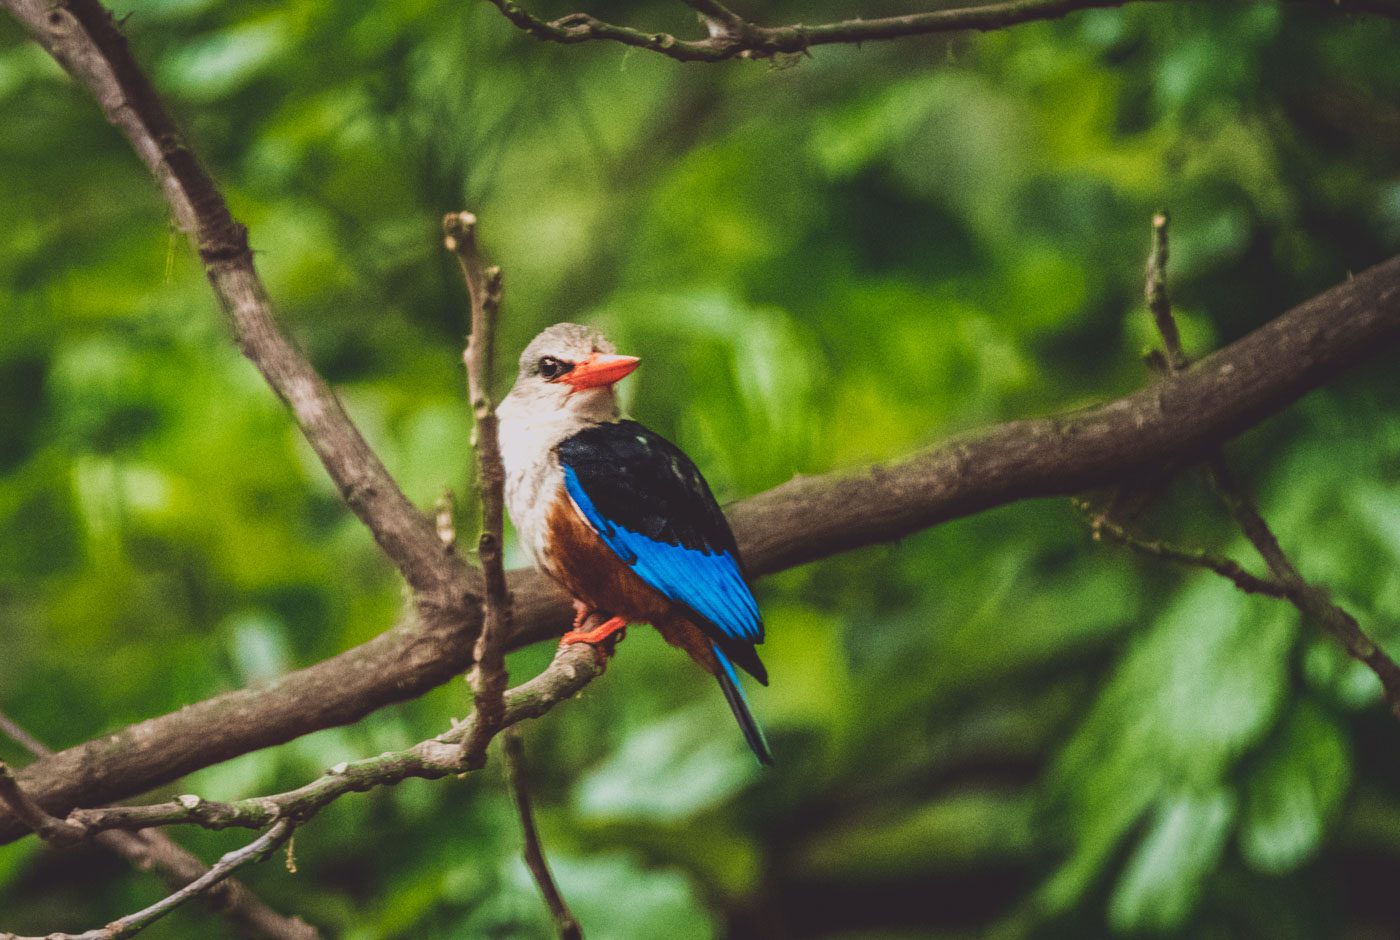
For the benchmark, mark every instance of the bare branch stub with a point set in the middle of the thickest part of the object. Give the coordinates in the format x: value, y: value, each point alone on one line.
x: 732, y: 37
x: 489, y: 673
x: 517, y: 776
x: 1158, y: 300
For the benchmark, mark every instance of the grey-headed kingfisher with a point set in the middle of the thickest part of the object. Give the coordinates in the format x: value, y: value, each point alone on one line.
x: 621, y: 517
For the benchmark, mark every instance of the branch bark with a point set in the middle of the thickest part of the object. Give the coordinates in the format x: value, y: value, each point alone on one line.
x: 1181, y: 418
x: 732, y: 37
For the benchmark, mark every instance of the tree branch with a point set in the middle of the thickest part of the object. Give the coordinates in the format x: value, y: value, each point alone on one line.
x: 565, y: 923
x: 1181, y: 418
x: 82, y: 36
x: 573, y: 667
x: 255, y: 851
x: 733, y: 37
x: 488, y: 677
x: 149, y: 849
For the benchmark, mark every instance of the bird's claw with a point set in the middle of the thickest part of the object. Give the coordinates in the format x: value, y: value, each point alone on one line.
x: 605, y: 637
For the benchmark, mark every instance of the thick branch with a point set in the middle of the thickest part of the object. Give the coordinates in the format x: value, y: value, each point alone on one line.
x: 488, y: 677
x: 1180, y: 418
x: 86, y: 41
x: 733, y: 37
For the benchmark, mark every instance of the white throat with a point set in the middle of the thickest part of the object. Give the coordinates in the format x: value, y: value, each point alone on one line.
x: 531, y: 426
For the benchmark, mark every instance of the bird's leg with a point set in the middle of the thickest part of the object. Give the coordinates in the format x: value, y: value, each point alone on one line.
x: 613, y: 625
x: 581, y: 612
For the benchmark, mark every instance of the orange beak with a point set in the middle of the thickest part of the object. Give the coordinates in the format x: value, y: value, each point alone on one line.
x: 600, y: 369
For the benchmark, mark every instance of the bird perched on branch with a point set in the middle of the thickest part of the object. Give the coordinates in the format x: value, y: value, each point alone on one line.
x: 621, y: 517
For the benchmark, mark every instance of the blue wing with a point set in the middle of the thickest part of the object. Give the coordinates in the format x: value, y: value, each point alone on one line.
x: 650, y: 505
x: 709, y: 583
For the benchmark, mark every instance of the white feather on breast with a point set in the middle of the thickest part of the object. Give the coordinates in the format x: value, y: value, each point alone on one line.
x: 534, y: 477
x: 532, y: 424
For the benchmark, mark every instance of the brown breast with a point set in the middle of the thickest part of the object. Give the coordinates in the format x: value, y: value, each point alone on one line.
x: 577, y: 558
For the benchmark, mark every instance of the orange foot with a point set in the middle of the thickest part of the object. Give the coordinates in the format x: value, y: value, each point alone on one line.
x: 614, y: 625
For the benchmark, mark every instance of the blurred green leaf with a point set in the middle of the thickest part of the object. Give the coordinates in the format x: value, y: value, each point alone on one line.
x: 1295, y: 791
x: 668, y: 771
x: 1163, y: 878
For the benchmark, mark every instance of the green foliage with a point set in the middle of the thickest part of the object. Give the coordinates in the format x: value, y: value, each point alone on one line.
x: 995, y: 725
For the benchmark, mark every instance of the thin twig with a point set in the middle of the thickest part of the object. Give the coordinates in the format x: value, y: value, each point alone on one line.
x: 152, y: 850
x: 17, y: 733
x: 1101, y: 525
x: 573, y: 667
x: 518, y: 779
x: 740, y: 39
x: 488, y: 676
x: 1312, y: 601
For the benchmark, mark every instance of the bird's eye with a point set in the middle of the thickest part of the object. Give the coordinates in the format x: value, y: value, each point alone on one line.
x: 551, y: 368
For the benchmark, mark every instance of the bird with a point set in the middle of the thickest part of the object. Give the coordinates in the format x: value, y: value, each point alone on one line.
x: 621, y: 518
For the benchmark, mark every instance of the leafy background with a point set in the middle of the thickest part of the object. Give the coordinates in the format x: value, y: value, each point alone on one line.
x: 997, y: 726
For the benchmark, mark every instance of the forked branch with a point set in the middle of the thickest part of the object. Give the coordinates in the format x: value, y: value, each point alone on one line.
x: 151, y: 850
x: 1285, y: 581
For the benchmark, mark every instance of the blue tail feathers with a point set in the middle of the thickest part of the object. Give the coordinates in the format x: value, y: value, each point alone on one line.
x: 739, y: 705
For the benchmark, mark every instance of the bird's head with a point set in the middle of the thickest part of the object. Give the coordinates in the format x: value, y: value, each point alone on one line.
x: 569, y: 370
